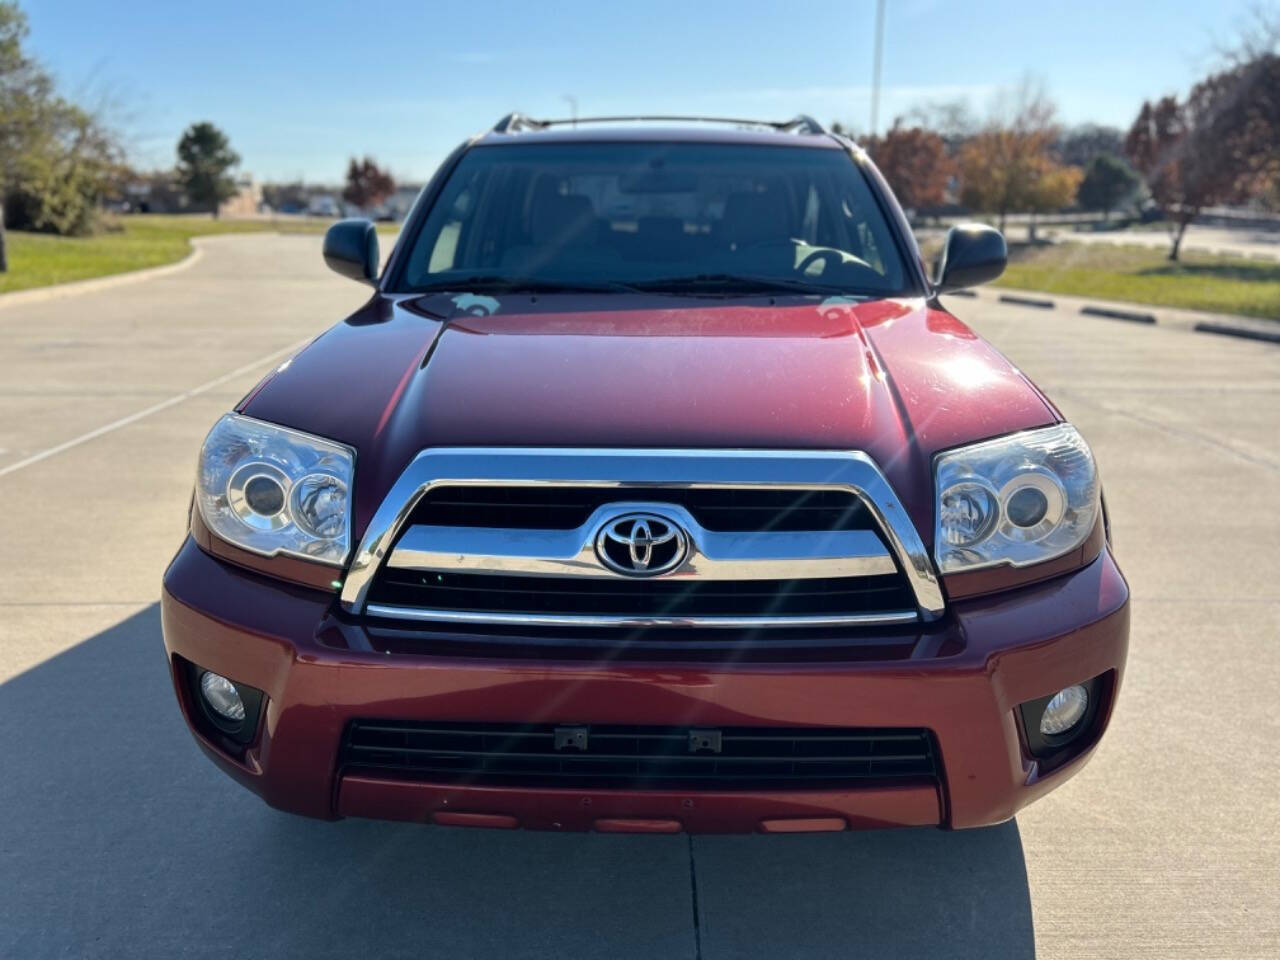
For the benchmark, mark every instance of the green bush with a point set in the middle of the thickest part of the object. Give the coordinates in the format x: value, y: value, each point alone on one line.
x: 56, y: 159
x: 58, y: 181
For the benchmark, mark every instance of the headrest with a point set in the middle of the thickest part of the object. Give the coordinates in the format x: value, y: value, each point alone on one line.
x: 754, y: 217
x: 560, y: 220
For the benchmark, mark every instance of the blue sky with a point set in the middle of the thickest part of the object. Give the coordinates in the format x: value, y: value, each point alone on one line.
x: 301, y: 86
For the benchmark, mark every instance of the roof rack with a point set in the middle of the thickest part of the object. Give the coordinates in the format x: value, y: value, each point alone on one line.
x: 517, y: 122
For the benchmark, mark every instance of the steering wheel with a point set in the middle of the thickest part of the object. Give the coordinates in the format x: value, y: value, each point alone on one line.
x: 826, y: 255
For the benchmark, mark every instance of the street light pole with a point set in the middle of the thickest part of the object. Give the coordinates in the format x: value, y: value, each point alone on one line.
x: 573, y: 106
x: 875, y: 68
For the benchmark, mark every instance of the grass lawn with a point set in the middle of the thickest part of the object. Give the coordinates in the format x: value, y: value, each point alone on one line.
x: 145, y: 240
x: 1198, y: 281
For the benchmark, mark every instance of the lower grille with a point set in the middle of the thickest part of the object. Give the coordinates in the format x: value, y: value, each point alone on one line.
x: 637, y: 757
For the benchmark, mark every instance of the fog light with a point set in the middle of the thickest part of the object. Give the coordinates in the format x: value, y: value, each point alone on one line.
x: 222, y: 697
x: 1064, y: 711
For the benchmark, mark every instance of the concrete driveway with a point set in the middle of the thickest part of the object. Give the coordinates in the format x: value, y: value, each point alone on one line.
x: 119, y: 839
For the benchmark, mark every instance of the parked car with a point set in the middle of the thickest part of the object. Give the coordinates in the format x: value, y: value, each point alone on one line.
x: 323, y: 206
x: 654, y: 488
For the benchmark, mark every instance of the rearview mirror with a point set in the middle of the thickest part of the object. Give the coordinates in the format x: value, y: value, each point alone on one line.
x: 351, y: 249
x: 974, y: 254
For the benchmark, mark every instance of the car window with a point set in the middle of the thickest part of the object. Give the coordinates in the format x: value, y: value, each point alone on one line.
x: 650, y: 214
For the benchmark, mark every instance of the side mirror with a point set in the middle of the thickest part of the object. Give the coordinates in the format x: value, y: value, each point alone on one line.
x: 351, y: 249
x: 974, y: 254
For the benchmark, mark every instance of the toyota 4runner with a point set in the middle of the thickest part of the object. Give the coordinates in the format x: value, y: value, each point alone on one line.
x: 653, y: 489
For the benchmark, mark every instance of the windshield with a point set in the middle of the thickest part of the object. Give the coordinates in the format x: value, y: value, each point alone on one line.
x: 657, y: 217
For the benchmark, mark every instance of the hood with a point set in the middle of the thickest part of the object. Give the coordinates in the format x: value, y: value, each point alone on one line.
x: 897, y: 379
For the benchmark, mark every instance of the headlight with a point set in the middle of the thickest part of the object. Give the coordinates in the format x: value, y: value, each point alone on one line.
x: 273, y: 490
x: 1018, y: 500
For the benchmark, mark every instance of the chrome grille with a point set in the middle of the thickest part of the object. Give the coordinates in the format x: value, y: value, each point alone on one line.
x: 729, y: 509
x: 528, y: 598
x: 527, y: 537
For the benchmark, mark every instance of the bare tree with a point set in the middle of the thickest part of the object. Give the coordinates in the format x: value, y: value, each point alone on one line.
x: 1217, y: 146
x: 953, y: 120
x: 1081, y: 145
x: 1222, y: 144
x: 1255, y: 120
x: 1259, y: 36
x: 1010, y: 165
x: 367, y: 184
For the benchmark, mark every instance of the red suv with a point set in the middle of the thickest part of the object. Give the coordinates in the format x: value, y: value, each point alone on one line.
x: 653, y: 489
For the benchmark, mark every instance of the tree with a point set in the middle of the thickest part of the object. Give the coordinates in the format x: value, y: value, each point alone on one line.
x: 56, y: 158
x: 58, y: 182
x: 1253, y: 136
x: 22, y: 85
x: 1079, y: 145
x: 285, y: 197
x: 1222, y: 144
x: 1217, y: 146
x: 1107, y: 181
x: 915, y: 163
x: 1161, y: 145
x: 953, y: 120
x: 1054, y: 189
x: 205, y: 158
x: 367, y: 184
x: 1010, y: 166
x: 1246, y: 121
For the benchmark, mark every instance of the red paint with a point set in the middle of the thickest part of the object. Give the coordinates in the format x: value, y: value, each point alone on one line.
x: 644, y: 811
x: 804, y: 825
x: 494, y: 821
x: 897, y: 379
x: 398, y: 392
x: 633, y: 825
x: 1008, y: 648
x: 900, y: 380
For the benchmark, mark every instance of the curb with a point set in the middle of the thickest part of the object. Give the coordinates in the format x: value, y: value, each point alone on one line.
x: 1245, y: 333
x: 1130, y: 315
x: 1027, y: 301
x: 77, y: 287
x: 1244, y: 330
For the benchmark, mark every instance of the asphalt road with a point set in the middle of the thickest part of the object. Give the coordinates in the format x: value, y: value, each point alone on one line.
x: 119, y: 839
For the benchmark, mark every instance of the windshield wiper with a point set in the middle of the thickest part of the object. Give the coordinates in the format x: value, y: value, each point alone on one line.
x: 714, y: 284
x: 495, y: 283
x: 732, y: 283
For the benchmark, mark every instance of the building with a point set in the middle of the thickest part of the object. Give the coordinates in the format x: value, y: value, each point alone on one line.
x: 247, y: 201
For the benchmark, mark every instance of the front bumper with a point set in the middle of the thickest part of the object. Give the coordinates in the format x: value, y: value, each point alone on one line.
x: 1002, y: 651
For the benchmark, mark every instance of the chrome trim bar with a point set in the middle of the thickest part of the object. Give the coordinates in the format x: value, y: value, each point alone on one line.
x: 634, y: 470
x: 711, y: 555
x: 597, y: 620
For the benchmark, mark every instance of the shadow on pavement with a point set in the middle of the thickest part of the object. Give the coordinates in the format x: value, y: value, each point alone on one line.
x: 890, y: 893
x: 118, y: 838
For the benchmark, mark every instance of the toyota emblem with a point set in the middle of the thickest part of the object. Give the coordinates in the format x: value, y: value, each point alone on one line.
x: 641, y: 544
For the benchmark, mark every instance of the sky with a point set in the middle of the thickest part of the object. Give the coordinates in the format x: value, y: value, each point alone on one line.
x: 300, y: 87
